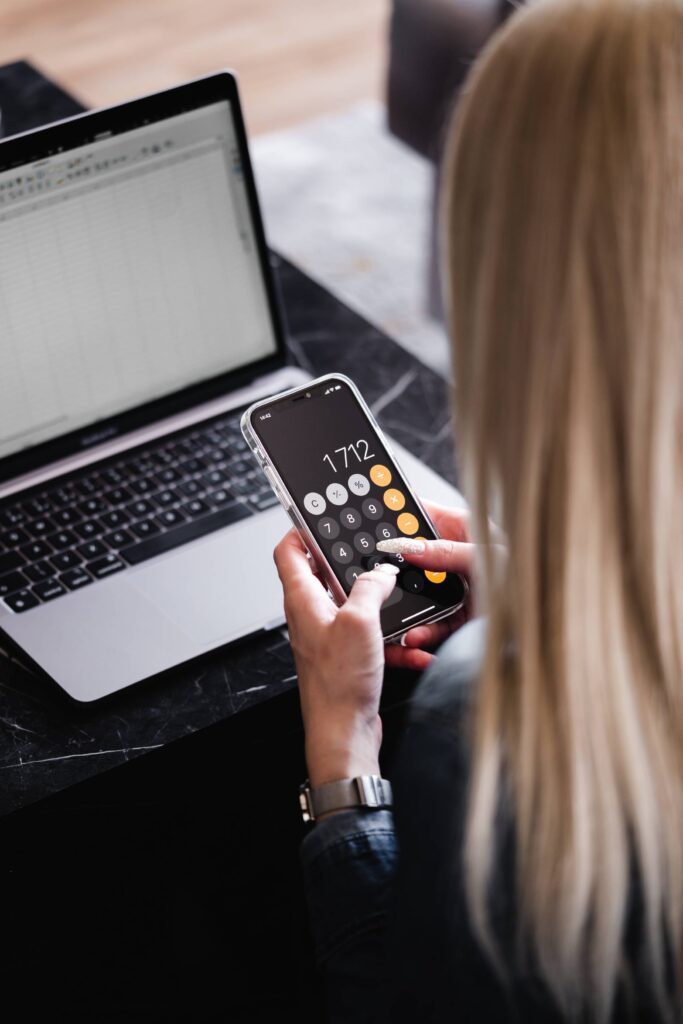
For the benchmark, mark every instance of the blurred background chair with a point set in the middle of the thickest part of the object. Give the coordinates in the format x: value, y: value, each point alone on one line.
x: 432, y: 44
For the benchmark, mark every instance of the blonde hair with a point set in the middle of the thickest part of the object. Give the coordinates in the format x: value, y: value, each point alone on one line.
x: 563, y: 227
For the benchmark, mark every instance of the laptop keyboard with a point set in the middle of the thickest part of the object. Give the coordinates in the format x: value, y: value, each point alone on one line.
x: 120, y: 512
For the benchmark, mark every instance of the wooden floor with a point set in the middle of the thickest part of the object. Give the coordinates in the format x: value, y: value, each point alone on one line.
x: 295, y: 58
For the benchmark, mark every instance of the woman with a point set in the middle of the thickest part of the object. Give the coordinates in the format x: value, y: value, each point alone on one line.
x: 539, y: 793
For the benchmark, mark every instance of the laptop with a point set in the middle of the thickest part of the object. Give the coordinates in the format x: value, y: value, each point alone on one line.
x: 138, y: 318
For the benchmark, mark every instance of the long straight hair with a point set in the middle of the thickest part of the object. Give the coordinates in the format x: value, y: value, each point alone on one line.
x: 563, y: 234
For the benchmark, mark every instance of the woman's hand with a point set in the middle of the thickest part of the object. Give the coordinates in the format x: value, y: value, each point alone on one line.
x: 453, y: 552
x: 340, y: 653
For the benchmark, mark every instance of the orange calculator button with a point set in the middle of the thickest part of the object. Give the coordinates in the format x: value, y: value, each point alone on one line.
x: 393, y: 499
x: 407, y: 523
x: 435, y: 577
x: 380, y: 475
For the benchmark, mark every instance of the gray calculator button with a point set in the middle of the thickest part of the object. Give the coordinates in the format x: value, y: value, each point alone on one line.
x: 373, y: 508
x: 342, y: 552
x: 364, y: 543
x: 328, y: 528
x: 350, y: 518
x: 386, y: 531
x: 358, y: 484
x: 337, y: 494
x: 314, y: 503
x: 352, y: 572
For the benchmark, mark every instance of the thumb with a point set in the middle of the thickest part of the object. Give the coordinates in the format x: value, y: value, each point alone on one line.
x: 371, y: 589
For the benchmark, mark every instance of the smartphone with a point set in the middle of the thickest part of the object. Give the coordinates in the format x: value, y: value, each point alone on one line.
x: 334, y: 474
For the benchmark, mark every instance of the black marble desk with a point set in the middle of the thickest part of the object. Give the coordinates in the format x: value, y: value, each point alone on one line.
x: 47, y: 743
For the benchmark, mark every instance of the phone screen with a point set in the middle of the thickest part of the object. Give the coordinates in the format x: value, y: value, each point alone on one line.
x: 351, y: 495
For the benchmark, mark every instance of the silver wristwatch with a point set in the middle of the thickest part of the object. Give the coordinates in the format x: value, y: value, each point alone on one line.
x: 364, y: 791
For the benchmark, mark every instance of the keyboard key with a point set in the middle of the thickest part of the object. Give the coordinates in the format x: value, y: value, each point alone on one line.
x: 169, y: 475
x: 183, y: 534
x: 106, y: 566
x: 40, y: 527
x: 10, y: 582
x: 65, y: 495
x: 190, y: 488
x: 39, y: 571
x: 112, y: 477
x: 162, y: 458
x: 115, y: 518
x: 167, y: 497
x: 93, y: 549
x: 48, y: 590
x: 265, y: 501
x: 66, y: 516
x: 10, y: 560
x: 119, y: 539
x: 216, y: 455
x: 214, y: 478
x: 13, y: 538
x: 36, y: 506
x: 93, y: 506
x: 64, y: 560
x: 193, y: 465
x: 220, y: 498
x: 21, y: 601
x: 75, y: 578
x: 170, y: 517
x: 36, y: 550
x: 195, y: 508
x: 91, y: 528
x: 87, y: 486
x: 143, y: 486
x: 118, y: 495
x: 10, y: 517
x: 63, y: 539
x: 146, y: 528
x: 141, y: 508
x: 143, y: 465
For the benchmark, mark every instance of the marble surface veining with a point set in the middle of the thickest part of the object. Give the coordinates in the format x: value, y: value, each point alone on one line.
x: 47, y: 742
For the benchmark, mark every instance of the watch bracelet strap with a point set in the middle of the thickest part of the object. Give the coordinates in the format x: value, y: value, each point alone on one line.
x: 369, y: 791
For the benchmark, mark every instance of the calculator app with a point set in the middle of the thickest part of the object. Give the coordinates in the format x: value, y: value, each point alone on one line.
x: 352, y: 495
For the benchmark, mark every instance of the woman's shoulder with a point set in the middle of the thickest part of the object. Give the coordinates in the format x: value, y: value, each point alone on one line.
x: 448, y: 684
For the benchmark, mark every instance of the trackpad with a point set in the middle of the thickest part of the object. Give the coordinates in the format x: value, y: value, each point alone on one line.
x: 223, y: 586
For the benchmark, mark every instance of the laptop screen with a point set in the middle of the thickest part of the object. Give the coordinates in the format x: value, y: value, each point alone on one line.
x: 129, y: 270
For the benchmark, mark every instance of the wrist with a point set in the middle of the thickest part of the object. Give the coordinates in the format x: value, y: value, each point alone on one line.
x: 342, y: 751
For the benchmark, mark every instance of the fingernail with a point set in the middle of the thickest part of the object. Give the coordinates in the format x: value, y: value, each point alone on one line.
x: 388, y: 568
x: 402, y: 546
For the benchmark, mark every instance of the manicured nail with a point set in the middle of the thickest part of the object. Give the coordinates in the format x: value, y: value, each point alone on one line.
x: 388, y: 568
x: 402, y: 546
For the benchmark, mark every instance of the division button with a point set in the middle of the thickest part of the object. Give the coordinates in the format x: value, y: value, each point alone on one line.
x: 380, y: 475
x: 407, y: 523
x: 352, y: 574
x: 342, y: 552
x: 358, y: 484
x: 337, y: 494
x: 328, y: 528
x: 364, y: 543
x: 314, y: 503
x: 372, y: 508
x: 350, y: 519
x: 394, y: 499
x: 386, y: 531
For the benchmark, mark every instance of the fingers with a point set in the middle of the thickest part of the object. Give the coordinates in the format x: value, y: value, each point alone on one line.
x: 370, y: 591
x: 297, y: 574
x: 430, y: 635
x: 453, y: 523
x: 396, y: 656
x: 437, y: 555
